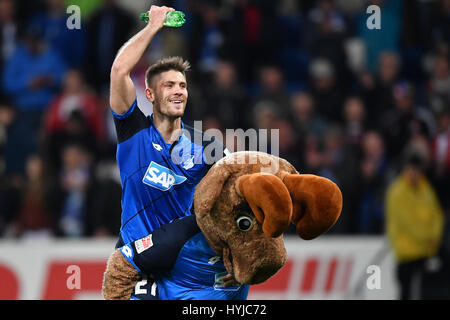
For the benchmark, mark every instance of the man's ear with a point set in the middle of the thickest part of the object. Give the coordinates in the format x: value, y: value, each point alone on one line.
x: 150, y: 94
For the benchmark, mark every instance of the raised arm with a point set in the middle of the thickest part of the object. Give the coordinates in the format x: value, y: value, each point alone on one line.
x: 123, y: 92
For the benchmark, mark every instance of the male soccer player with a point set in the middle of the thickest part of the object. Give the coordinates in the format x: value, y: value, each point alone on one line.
x: 159, y: 163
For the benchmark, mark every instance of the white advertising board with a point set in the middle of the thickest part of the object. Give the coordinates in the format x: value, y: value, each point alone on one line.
x: 325, y: 268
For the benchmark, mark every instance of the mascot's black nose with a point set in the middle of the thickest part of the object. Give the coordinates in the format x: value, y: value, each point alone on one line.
x: 264, y: 273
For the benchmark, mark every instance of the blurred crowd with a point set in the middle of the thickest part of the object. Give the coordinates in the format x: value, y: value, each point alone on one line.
x: 352, y: 104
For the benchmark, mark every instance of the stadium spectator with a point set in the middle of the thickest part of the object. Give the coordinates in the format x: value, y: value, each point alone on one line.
x: 292, y: 35
x: 252, y: 28
x: 400, y: 124
x: 416, y: 27
x: 31, y: 77
x: 211, y: 39
x: 227, y: 96
x: 439, y: 85
x: 16, y: 145
x: 106, y: 203
x: 306, y: 122
x: 325, y: 15
x: 338, y: 164
x: 271, y: 88
x: 28, y: 9
x: 326, y: 37
x: 74, y: 96
x: 441, y: 27
x: 354, y: 181
x: 265, y: 115
x: 333, y: 152
x: 313, y: 158
x: 33, y: 73
x: 76, y: 183
x: 59, y: 119
x: 377, y: 89
x: 371, y: 184
x: 354, y: 121
x: 69, y: 43
x: 414, y: 224
x: 326, y: 91
x: 107, y: 30
x: 34, y: 218
x: 9, y: 31
x: 440, y: 159
x: 7, y: 118
x: 287, y: 144
x: 76, y: 131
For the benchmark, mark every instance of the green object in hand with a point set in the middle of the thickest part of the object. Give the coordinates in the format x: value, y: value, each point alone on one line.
x: 173, y: 18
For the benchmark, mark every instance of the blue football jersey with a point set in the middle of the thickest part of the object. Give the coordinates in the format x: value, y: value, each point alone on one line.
x: 196, y: 275
x: 183, y: 265
x: 158, y: 179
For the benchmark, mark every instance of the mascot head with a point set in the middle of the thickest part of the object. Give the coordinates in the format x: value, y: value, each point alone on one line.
x: 248, y: 199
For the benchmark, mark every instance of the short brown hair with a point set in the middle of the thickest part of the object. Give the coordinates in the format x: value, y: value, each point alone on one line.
x: 166, y: 64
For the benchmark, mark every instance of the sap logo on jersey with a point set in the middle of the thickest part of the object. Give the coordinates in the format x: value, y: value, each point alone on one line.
x: 161, y: 178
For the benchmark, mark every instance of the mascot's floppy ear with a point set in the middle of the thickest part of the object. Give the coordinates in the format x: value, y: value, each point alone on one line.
x: 317, y: 203
x: 269, y: 200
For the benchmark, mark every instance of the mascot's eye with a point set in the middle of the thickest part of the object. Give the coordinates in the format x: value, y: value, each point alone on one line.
x: 244, y: 223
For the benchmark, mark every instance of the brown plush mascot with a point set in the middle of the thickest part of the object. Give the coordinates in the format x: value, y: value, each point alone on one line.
x: 271, y: 193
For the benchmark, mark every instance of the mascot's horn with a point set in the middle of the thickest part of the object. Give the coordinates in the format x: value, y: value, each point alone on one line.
x: 269, y: 200
x: 317, y: 203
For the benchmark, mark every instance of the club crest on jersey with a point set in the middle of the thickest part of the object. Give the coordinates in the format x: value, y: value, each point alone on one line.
x: 161, y: 178
x: 188, y: 164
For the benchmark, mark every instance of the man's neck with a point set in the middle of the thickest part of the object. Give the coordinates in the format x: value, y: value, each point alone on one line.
x: 168, y: 127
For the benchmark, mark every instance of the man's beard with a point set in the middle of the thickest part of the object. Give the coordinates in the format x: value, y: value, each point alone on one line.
x: 164, y: 108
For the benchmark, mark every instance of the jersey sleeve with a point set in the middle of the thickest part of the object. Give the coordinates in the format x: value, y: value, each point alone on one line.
x: 129, y: 123
x: 159, y: 251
